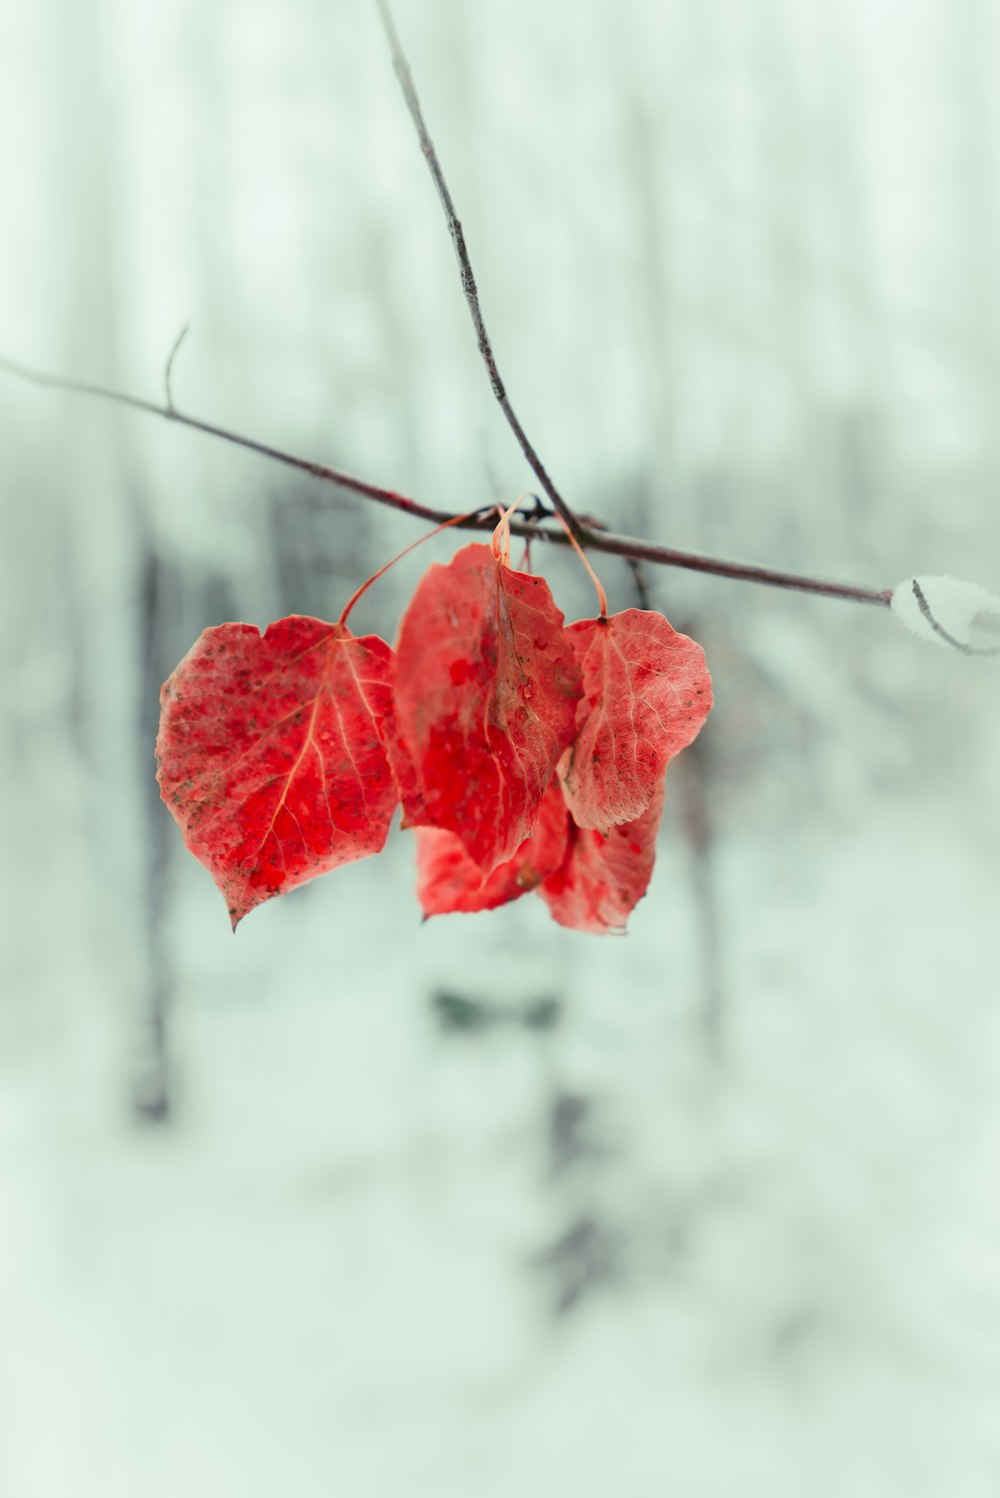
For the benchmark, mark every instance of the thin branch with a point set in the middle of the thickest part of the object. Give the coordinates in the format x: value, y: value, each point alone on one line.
x: 630, y: 547
x: 747, y: 572
x: 237, y: 439
x: 405, y: 77
x: 586, y: 536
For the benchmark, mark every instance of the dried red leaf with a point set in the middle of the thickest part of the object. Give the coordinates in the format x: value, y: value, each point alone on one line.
x: 604, y: 874
x: 646, y: 694
x: 448, y: 880
x: 403, y: 769
x: 271, y: 753
x: 486, y: 686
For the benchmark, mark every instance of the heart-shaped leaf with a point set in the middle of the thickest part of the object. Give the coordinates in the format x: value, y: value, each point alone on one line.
x: 486, y: 686
x: 272, y: 753
x: 646, y: 694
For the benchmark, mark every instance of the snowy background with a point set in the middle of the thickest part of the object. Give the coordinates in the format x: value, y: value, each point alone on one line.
x: 354, y: 1206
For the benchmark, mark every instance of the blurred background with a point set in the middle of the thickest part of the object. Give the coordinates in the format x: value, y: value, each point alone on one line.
x: 354, y: 1205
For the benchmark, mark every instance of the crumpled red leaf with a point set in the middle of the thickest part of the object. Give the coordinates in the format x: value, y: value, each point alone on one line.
x: 604, y: 875
x: 448, y: 880
x: 271, y: 753
x: 646, y: 694
x: 486, y: 685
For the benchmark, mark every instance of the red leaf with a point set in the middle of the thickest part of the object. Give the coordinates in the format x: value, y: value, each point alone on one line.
x: 486, y: 687
x: 271, y: 753
x: 604, y: 874
x: 448, y: 880
x: 646, y: 694
x: 403, y: 769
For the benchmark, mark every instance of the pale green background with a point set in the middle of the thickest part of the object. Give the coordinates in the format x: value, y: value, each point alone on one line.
x: 740, y: 261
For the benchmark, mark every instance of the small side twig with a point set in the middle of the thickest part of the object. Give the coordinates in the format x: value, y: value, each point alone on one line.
x: 405, y: 77
x: 639, y: 582
x: 169, y: 370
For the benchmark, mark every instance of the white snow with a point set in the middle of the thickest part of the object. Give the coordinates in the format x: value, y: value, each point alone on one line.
x: 968, y: 614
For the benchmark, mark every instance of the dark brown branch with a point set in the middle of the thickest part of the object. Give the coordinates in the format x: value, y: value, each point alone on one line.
x: 402, y: 70
x: 747, y: 572
x: 276, y: 454
x: 629, y: 547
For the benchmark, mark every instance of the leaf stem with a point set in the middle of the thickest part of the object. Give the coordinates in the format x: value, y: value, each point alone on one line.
x: 500, y: 541
x: 602, y: 597
x: 358, y: 592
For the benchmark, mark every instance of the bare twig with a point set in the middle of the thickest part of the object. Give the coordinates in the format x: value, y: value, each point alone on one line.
x: 169, y: 370
x: 747, y: 572
x: 276, y: 454
x: 630, y: 547
x: 402, y: 70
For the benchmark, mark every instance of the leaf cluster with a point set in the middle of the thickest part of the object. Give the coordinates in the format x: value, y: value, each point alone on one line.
x: 527, y: 755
